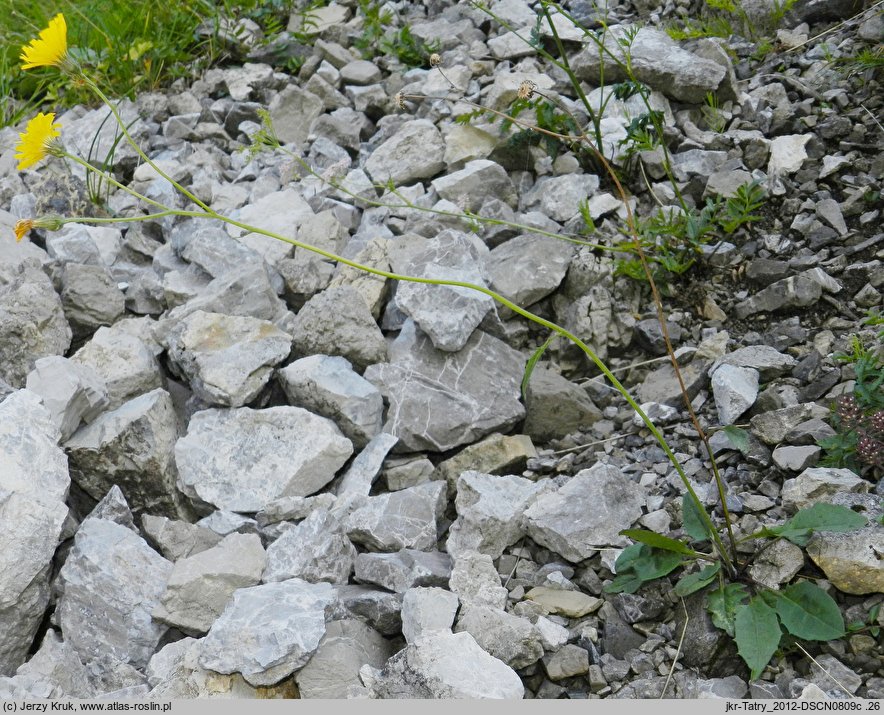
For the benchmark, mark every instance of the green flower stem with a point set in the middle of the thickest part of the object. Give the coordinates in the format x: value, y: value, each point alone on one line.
x: 212, y: 214
x: 111, y: 180
x: 94, y: 87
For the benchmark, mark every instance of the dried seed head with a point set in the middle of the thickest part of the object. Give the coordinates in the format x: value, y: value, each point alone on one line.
x: 435, y: 60
x: 399, y: 100
x: 526, y: 89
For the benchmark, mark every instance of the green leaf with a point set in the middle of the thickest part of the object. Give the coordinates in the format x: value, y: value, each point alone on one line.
x: 757, y: 634
x: 738, y: 437
x: 695, y: 581
x: 810, y: 613
x: 532, y: 361
x: 692, y: 519
x: 658, y: 541
x: 819, y: 517
x: 723, y: 603
x: 639, y: 563
x: 626, y: 582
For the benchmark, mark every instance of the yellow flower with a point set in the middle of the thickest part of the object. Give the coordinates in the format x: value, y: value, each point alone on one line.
x: 51, y: 49
x: 49, y: 223
x: 37, y: 140
x: 22, y: 227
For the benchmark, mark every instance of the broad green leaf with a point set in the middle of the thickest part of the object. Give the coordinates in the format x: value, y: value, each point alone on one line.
x: 655, y: 563
x: 532, y: 361
x: 626, y: 582
x: 723, y: 603
x: 627, y: 558
x: 738, y: 437
x: 692, y: 519
x: 639, y: 563
x: 810, y: 613
x: 819, y: 517
x: 658, y: 541
x: 695, y: 581
x: 757, y: 634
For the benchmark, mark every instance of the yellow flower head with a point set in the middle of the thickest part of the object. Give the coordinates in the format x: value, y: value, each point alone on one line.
x: 22, y: 227
x: 50, y: 49
x: 49, y: 223
x: 37, y: 140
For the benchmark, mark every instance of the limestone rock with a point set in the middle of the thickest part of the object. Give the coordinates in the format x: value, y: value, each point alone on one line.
x: 441, y: 400
x: 315, y: 550
x: 227, y: 359
x: 269, y: 631
x: 73, y: 393
x: 406, y: 519
x: 200, y: 586
x: 414, y: 152
x: 242, y: 459
x: 587, y: 512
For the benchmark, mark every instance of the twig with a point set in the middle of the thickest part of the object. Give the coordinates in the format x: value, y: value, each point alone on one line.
x: 684, y: 630
x: 835, y: 27
x: 818, y: 665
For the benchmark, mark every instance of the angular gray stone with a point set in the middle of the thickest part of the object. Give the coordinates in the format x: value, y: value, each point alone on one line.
x: 315, y: 550
x: 477, y: 181
x: 794, y: 292
x: 31, y: 462
x: 818, y: 484
x: 174, y: 672
x: 407, y: 519
x: 772, y: 427
x: 777, y: 564
x: 490, y: 512
x: 446, y: 665
x: 796, y: 459
x: 244, y: 291
x: 509, y: 638
x: 365, y: 468
x: 441, y: 400
x: 405, y: 569
x: 90, y: 297
x: 176, y: 539
x: 112, y: 580
x: 328, y: 386
x: 55, y: 671
x: 734, y: 389
x: 475, y: 580
x: 567, y: 662
x: 72, y: 393
x: 556, y: 407
x: 787, y: 153
x: 32, y: 321
x: 337, y: 321
x: 426, y: 609
x: 227, y: 359
x: 661, y: 385
x: 447, y: 314
x: 377, y: 607
x: 292, y: 111
x: 656, y: 60
x: 333, y: 671
x: 200, y: 586
x: 280, y: 212
x: 414, y: 152
x: 242, y: 459
x: 769, y: 361
x: 131, y: 447
x: 269, y: 631
x: 30, y: 529
x: 527, y: 268
x: 125, y: 363
x: 559, y: 197
x: 587, y: 512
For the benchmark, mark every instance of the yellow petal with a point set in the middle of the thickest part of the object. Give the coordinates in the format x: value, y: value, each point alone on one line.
x: 35, y: 140
x: 22, y: 227
x: 50, y: 49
